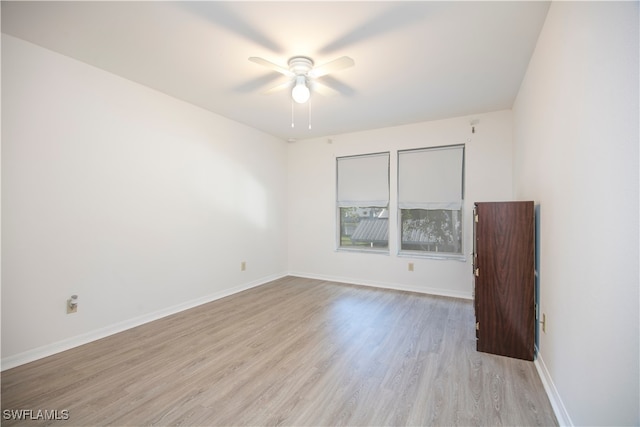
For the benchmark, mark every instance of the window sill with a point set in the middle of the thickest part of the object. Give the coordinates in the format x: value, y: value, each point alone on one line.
x: 364, y: 251
x: 432, y: 255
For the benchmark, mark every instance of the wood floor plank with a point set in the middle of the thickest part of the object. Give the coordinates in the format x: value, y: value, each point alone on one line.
x: 292, y: 352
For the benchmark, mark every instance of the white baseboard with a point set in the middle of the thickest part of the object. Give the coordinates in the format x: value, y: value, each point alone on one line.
x: 554, y: 398
x: 385, y: 285
x: 78, y: 340
x: 60, y: 346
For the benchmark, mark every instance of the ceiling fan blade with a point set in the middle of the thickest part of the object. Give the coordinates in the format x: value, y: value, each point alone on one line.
x: 323, y: 89
x: 270, y: 65
x: 256, y: 84
x: 330, y: 86
x: 232, y: 18
x: 278, y: 88
x: 397, y: 16
x: 332, y: 66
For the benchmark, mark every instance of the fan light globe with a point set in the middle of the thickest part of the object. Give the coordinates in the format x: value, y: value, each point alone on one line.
x: 300, y: 92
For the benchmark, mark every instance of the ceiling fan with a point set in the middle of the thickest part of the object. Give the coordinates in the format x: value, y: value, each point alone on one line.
x: 303, y: 74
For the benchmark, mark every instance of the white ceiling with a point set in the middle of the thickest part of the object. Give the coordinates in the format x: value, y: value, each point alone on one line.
x: 414, y: 61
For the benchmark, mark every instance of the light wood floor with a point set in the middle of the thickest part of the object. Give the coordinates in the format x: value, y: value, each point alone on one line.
x: 291, y: 352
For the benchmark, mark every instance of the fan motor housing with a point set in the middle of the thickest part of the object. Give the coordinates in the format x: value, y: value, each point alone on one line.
x: 300, y: 65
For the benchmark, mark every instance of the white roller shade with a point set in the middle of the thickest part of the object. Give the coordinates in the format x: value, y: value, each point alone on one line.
x: 431, y: 178
x: 363, y: 180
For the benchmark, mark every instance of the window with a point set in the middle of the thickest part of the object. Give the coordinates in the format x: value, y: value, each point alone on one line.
x: 363, y: 201
x: 430, y: 196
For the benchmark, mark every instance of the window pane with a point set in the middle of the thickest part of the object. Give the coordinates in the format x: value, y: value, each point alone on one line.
x: 364, y: 227
x: 437, y: 230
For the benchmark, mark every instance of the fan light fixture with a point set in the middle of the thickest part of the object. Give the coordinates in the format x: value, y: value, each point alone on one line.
x: 300, y: 92
x: 302, y: 72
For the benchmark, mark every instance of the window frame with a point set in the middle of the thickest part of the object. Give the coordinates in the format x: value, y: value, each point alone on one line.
x: 357, y: 248
x: 413, y: 253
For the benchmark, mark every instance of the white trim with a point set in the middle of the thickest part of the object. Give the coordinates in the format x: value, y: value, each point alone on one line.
x: 455, y: 205
x: 363, y: 250
x: 78, y: 340
x: 41, y: 352
x: 363, y: 203
x: 385, y: 285
x: 552, y: 392
x: 431, y: 255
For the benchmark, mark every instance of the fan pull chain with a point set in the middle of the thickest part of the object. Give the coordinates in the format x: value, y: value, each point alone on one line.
x: 293, y: 124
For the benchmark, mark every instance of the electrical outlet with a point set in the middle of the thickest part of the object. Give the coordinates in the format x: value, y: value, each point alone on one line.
x: 410, y: 266
x: 243, y: 266
x: 72, y: 304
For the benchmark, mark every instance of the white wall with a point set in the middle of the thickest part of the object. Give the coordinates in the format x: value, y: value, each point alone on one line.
x: 576, y: 153
x: 312, y: 207
x: 139, y: 203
